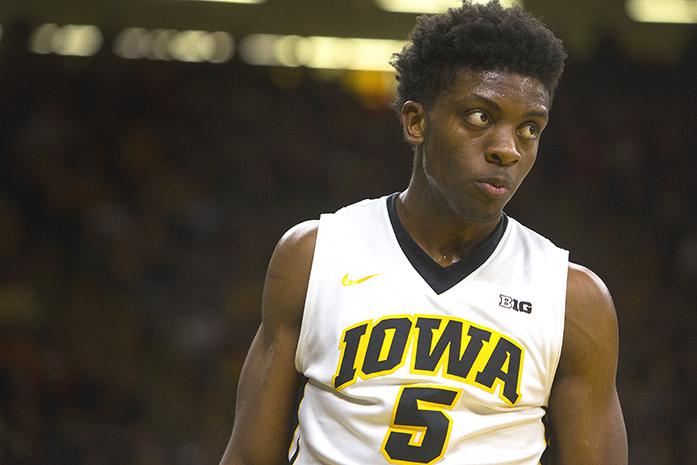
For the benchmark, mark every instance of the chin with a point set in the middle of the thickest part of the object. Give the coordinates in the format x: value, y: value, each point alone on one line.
x: 480, y: 215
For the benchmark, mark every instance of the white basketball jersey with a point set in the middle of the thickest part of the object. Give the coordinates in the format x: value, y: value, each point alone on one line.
x: 411, y: 363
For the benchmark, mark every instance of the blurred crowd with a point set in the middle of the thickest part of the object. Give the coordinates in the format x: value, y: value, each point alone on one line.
x: 140, y: 202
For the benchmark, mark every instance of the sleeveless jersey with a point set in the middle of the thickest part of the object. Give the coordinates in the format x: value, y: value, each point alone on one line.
x: 407, y: 362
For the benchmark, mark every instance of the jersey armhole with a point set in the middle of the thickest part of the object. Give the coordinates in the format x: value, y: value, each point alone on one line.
x: 561, y: 302
x: 308, y: 318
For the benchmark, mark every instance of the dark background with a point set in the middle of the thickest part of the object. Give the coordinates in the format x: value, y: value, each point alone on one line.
x: 141, y: 200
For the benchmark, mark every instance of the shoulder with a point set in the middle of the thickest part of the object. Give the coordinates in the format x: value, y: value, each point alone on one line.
x: 292, y: 258
x: 288, y: 275
x: 297, y: 243
x: 587, y: 297
x: 590, y: 330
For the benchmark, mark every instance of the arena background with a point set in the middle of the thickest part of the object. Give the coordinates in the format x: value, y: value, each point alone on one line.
x: 152, y: 153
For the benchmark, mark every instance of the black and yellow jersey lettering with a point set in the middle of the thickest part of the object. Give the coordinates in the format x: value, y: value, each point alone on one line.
x: 451, y: 347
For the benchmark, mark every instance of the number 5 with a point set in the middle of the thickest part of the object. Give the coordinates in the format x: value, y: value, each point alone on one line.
x: 420, y: 428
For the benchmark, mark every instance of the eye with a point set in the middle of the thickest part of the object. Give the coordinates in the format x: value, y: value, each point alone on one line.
x: 529, y: 131
x: 478, y: 118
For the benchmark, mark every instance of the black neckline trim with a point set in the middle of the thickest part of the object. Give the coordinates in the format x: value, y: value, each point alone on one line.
x: 438, y: 277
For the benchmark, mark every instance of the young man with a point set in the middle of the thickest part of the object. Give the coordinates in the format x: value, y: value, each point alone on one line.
x: 427, y: 326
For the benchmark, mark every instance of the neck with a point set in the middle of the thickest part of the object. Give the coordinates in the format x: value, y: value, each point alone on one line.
x: 439, y: 230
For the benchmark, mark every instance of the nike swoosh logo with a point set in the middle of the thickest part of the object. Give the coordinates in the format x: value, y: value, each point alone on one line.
x: 352, y: 282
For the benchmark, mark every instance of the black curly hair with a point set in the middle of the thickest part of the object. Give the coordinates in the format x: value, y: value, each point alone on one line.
x: 478, y: 37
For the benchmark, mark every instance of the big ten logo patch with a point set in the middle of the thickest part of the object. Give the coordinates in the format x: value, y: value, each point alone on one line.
x: 514, y: 304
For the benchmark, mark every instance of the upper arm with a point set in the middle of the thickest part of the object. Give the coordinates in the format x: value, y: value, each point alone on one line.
x: 269, y: 381
x: 586, y: 418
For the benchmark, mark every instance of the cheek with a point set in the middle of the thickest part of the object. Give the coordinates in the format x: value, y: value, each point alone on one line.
x: 530, y: 159
x: 525, y: 166
x: 442, y: 159
x: 450, y: 153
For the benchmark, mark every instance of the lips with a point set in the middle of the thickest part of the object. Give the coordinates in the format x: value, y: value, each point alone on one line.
x: 495, y: 186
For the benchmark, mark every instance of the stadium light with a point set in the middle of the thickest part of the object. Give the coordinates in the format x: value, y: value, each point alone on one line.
x: 170, y: 44
x: 432, y: 6
x: 69, y: 40
x: 662, y: 11
x: 319, y: 52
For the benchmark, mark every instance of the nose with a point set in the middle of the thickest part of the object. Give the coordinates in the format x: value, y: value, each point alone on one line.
x: 502, y: 148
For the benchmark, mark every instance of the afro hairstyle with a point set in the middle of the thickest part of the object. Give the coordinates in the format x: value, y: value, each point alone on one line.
x: 476, y: 37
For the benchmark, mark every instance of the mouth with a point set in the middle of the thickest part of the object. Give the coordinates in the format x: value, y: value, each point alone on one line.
x: 494, y: 186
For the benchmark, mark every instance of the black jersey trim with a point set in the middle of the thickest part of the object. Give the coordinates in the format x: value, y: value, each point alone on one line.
x: 442, y: 278
x: 296, y: 453
x: 296, y: 420
x: 298, y: 400
x: 545, y: 459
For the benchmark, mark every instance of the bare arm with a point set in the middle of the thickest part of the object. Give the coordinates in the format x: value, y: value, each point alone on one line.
x: 586, y: 417
x: 269, y: 382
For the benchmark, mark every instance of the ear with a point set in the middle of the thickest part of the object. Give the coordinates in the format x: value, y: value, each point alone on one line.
x: 413, y: 117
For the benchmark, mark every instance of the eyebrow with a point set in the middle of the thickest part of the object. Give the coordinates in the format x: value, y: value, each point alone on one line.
x: 541, y: 113
x: 538, y: 113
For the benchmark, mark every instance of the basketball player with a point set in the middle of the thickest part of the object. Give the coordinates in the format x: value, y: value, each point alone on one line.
x: 427, y: 326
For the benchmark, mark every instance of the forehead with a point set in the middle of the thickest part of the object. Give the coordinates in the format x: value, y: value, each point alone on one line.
x: 497, y: 86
